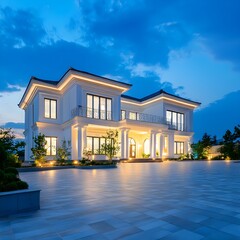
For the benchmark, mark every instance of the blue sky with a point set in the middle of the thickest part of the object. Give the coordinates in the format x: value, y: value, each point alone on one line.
x: 189, y: 48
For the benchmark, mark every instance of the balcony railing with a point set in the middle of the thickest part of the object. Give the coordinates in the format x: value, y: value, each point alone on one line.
x: 135, y: 116
x: 175, y: 126
x: 91, y: 113
x: 144, y: 117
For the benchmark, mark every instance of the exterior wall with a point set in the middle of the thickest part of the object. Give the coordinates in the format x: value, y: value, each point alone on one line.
x: 77, y: 128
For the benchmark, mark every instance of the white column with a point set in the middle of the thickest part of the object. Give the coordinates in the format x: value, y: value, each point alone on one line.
x: 74, y: 143
x: 126, y: 144
x: 84, y: 138
x: 187, y: 146
x: 150, y: 144
x: 154, y: 145
x: 171, y: 145
x: 161, y: 146
x: 122, y: 143
x: 80, y: 149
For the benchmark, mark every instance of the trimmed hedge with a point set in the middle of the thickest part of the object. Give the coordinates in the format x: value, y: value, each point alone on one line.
x: 10, y: 181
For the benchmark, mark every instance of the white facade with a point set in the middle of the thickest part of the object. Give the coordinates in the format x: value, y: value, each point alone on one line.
x: 158, y: 126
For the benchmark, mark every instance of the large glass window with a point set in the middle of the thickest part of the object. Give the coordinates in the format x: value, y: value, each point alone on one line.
x: 175, y: 120
x: 133, y: 116
x: 50, y: 108
x: 178, y: 147
x: 94, y: 144
x: 51, y: 146
x: 99, y: 107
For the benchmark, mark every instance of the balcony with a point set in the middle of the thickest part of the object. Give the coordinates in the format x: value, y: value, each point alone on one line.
x: 134, y: 116
x: 91, y: 113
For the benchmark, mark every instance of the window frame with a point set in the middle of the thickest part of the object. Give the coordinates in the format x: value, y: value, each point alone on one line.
x: 99, y: 145
x: 179, y: 126
x: 123, y: 112
x: 91, y: 112
x: 178, y: 146
x: 135, y: 114
x: 51, y: 138
x: 50, y: 108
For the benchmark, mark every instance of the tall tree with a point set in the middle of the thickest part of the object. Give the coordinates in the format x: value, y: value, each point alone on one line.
x: 231, y: 144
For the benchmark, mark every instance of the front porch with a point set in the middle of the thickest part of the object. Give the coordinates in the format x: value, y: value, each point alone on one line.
x: 136, y: 142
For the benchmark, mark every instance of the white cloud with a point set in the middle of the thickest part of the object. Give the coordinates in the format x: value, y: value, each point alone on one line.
x: 144, y: 70
x: 203, y: 77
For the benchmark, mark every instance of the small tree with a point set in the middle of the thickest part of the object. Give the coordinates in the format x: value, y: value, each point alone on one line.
x: 8, y: 149
x: 39, y: 150
x: 202, y: 147
x: 63, y: 152
x: 87, y: 153
x: 111, y: 145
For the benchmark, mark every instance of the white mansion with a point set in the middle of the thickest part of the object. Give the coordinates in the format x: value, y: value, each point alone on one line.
x: 81, y: 107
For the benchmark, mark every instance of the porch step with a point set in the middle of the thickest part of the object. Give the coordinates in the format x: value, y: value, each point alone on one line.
x: 143, y: 160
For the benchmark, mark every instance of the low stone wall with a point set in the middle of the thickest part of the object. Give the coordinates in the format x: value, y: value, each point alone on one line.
x: 19, y: 201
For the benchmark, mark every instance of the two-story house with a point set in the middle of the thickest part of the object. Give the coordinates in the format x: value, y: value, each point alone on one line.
x: 81, y: 107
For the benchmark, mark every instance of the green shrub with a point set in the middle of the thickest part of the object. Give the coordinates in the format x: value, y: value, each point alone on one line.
x: 83, y: 161
x: 22, y: 185
x: 11, y: 170
x: 10, y: 177
x: 11, y: 186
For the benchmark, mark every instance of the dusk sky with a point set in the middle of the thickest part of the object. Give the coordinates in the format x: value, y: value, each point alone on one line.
x: 186, y: 47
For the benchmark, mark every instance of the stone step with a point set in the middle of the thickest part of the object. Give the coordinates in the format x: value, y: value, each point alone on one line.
x: 143, y: 160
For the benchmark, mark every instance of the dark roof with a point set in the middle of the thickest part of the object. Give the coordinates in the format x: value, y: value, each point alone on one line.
x: 94, y: 75
x: 154, y: 95
x: 45, y: 81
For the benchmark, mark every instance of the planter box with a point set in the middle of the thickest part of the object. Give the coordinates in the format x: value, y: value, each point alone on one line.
x: 19, y: 201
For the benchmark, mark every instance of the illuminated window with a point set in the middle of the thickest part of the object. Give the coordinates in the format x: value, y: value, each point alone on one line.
x: 123, y: 114
x: 51, y: 146
x: 175, y: 120
x: 50, y: 110
x: 133, y: 116
x: 99, y: 107
x: 94, y: 144
x: 178, y: 148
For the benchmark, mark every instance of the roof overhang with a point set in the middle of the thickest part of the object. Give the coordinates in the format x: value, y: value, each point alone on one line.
x: 70, y: 75
x: 163, y: 96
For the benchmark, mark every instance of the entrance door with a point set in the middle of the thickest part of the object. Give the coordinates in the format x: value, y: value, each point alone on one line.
x: 132, y: 148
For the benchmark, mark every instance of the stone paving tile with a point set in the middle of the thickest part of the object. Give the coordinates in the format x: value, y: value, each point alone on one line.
x: 169, y: 200
x: 232, y: 229
x: 150, y: 234
x: 183, y: 234
x: 214, y: 234
x: 102, y: 226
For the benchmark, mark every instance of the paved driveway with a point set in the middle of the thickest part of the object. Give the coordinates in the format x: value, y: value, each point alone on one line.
x: 170, y: 200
